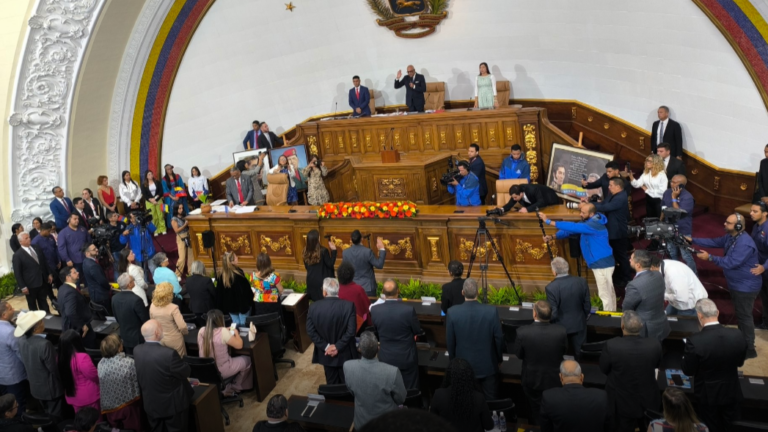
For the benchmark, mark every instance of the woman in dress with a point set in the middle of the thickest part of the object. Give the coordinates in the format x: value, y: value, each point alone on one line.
x: 163, y: 274
x: 198, y: 185
x: 267, y: 279
x: 678, y: 414
x: 168, y: 315
x: 283, y: 167
x: 152, y: 191
x: 119, y: 387
x: 36, y: 224
x: 233, y: 291
x: 349, y: 290
x: 127, y: 264
x: 106, y: 194
x: 317, y: 194
x: 214, y: 341
x: 485, y: 88
x: 174, y: 191
x: 653, y: 181
x: 181, y: 227
x: 130, y: 193
x: 459, y: 402
x: 318, y: 263
x: 78, y: 375
x: 16, y: 229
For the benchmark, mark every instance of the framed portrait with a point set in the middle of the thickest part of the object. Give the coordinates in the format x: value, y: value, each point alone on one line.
x: 297, y: 160
x: 243, y: 155
x: 568, y: 166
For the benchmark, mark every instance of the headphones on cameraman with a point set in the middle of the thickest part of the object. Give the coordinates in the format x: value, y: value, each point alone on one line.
x: 738, y: 226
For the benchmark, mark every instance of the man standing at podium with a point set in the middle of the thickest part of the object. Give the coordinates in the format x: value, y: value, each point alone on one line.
x: 415, y: 86
x: 359, y: 99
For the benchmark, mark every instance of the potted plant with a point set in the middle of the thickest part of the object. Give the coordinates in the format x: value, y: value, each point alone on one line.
x: 204, y: 206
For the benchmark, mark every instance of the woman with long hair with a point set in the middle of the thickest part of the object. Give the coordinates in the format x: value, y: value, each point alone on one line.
x: 36, y: 224
x: 168, y: 315
x: 233, y: 291
x: 152, y: 191
x: 79, y: 377
x: 319, y: 264
x: 458, y: 401
x: 127, y: 264
x: 283, y: 167
x: 267, y: 280
x: 214, y: 341
x: 120, y: 396
x: 653, y: 181
x: 130, y: 192
x: 679, y: 415
x: 106, y: 193
x: 198, y: 185
x: 16, y: 229
x: 485, y: 88
x: 317, y: 194
x: 181, y: 227
x: 174, y: 191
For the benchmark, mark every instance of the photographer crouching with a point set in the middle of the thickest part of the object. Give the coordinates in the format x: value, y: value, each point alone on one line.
x: 139, y: 235
x: 529, y: 197
x: 466, y: 188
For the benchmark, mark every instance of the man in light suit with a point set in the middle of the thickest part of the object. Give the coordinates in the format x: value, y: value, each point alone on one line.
x: 415, y: 86
x: 32, y: 274
x: 569, y: 297
x: 645, y: 295
x: 359, y: 99
x: 61, y: 207
x: 252, y: 137
x: 331, y: 325
x: 473, y: 333
x: 239, y: 188
x: 267, y: 139
x: 666, y: 130
x: 363, y: 261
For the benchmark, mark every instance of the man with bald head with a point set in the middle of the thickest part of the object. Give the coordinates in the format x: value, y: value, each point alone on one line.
x: 677, y: 197
x: 415, y: 86
x: 573, y: 407
x: 32, y: 274
x: 162, y: 377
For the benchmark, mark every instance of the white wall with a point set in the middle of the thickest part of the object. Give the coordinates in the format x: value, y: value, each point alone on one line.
x: 251, y: 59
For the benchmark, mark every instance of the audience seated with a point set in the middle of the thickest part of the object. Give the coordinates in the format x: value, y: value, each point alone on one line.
x: 377, y: 387
x: 678, y: 414
x: 541, y: 347
x: 13, y: 375
x: 74, y: 308
x: 277, y: 415
x: 645, y: 294
x: 163, y: 274
x: 129, y: 312
x: 573, y: 407
x: 214, y: 340
x: 233, y: 291
x: 78, y: 374
x: 458, y: 401
x: 202, y: 292
x: 569, y: 298
x: 630, y: 363
x: 350, y: 291
x: 168, y: 315
x: 452, y: 290
x: 10, y: 415
x: 318, y: 262
x: 331, y: 326
x: 127, y: 265
x: 119, y: 387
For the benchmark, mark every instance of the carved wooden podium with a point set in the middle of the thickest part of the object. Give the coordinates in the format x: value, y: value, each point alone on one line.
x: 390, y: 156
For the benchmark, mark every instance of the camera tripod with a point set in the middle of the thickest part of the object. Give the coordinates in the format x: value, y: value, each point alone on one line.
x: 481, y: 237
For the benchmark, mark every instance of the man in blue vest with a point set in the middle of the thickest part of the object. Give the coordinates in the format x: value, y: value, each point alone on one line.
x: 467, y: 190
x: 515, y: 166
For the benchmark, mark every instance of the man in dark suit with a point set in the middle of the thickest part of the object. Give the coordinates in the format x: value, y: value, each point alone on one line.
x: 616, y: 208
x: 415, y: 86
x: 452, y: 295
x: 541, y: 347
x: 397, y: 326
x: 645, y: 294
x: 569, y: 297
x: 574, y: 408
x: 73, y: 307
x: 268, y: 139
x: 252, y: 137
x: 359, y: 99
x: 239, y: 188
x: 61, y: 207
x: 95, y: 279
x: 712, y: 357
x: 477, y: 167
x: 363, y: 261
x: 666, y: 130
x: 672, y: 165
x: 162, y: 377
x: 80, y: 211
x: 530, y: 196
x: 473, y: 333
x: 32, y: 274
x: 630, y: 362
x: 331, y: 325
x: 611, y: 171
x: 129, y: 312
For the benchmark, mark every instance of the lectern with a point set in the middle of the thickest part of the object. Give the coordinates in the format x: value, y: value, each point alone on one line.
x: 390, y: 156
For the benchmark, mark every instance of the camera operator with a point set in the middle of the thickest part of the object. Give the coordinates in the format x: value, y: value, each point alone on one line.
x: 467, y: 190
x: 611, y: 171
x: 683, y: 288
x: 477, y: 166
x: 759, y: 215
x: 115, y: 227
x: 530, y: 197
x: 594, y: 247
x: 133, y: 235
x: 677, y: 197
x: 616, y: 208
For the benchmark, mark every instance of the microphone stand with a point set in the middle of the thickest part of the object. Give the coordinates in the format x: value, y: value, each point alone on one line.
x: 543, y: 233
x: 387, y: 140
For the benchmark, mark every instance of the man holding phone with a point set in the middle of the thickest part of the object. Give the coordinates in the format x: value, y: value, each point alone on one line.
x: 677, y: 197
x: 611, y: 171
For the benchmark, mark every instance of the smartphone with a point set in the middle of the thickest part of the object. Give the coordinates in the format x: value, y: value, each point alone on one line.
x: 677, y: 379
x: 681, y: 186
x: 629, y: 168
x: 232, y: 328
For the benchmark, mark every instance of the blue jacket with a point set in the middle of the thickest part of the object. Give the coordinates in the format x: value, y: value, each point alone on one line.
x: 616, y: 209
x: 164, y: 274
x: 362, y: 103
x: 49, y: 248
x: 685, y: 226
x: 515, y: 169
x: 60, y: 213
x: 740, y: 257
x: 71, y: 243
x: 467, y: 192
x: 252, y: 137
x: 96, y: 280
x: 594, y: 240
x: 134, y: 237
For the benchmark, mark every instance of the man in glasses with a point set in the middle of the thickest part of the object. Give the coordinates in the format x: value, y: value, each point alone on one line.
x: 415, y: 86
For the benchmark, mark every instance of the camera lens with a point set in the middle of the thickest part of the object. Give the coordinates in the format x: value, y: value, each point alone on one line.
x: 572, y: 205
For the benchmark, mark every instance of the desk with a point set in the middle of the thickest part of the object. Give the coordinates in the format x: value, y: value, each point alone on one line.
x: 299, y: 312
x: 53, y: 325
x: 205, y: 413
x: 329, y: 415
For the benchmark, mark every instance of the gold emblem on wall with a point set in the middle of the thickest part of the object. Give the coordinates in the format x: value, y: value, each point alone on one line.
x: 642, y: 143
x: 624, y: 134
x: 573, y: 112
x: 340, y: 243
x: 694, y: 171
x: 412, y: 135
x: 743, y: 186
x: 465, y: 249
x: 522, y: 248
x: 341, y: 143
x: 435, y: 253
x: 492, y: 133
x: 283, y: 243
x: 392, y: 188
x: 427, y: 139
x: 442, y: 137
x: 474, y: 135
x: 354, y: 140
x: 397, y: 139
x: 529, y: 136
x: 399, y: 247
x: 327, y: 143
x: 368, y: 140
x: 381, y: 140
x: 200, y: 248
x: 312, y: 140
x: 717, y: 183
x: 509, y: 134
x: 434, y: 185
x: 423, y: 16
x: 458, y: 137
x: 242, y: 242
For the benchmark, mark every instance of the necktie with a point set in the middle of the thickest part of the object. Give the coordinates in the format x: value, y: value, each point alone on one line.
x: 33, y: 254
x: 661, y: 132
x: 63, y: 202
x: 84, y: 218
x: 357, y: 90
x: 240, y: 192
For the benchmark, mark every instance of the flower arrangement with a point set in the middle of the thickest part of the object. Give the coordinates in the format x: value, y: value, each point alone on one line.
x: 368, y: 210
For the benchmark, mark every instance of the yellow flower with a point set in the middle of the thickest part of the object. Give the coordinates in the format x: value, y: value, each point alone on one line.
x: 405, y: 207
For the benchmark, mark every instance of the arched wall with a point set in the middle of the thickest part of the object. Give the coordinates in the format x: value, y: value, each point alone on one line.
x: 254, y: 60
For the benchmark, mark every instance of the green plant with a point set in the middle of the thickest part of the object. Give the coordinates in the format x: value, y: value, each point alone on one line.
x: 301, y: 287
x: 7, y: 284
x: 595, y: 301
x: 539, y: 295
x: 381, y: 9
x: 437, y: 7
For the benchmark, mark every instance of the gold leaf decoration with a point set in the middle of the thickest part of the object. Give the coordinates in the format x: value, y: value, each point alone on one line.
x: 523, y: 248
x: 465, y: 249
x: 402, y: 245
x: 283, y: 243
x: 235, y: 245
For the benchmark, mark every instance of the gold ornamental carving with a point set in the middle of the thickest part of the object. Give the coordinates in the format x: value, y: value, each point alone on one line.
x: 381, y: 140
x: 435, y: 254
x: 509, y: 134
x: 200, y: 248
x: 529, y: 136
x: 465, y: 249
x: 642, y: 143
x: 392, y: 188
x: 743, y: 186
x: 412, y: 136
x: 312, y: 140
x: 624, y: 134
x: 341, y: 143
x: 606, y: 125
x: 474, y: 135
x: 573, y: 112
x: 410, y: 19
x: 717, y: 183
x: 694, y: 171
x: 397, y: 139
x: 522, y: 248
x: 227, y: 244
x: 458, y: 138
x: 354, y: 183
x: 368, y: 140
x: 590, y: 118
x: 427, y: 139
x: 400, y: 246
x: 283, y: 243
x: 442, y: 137
x: 354, y: 140
x: 492, y: 133
x: 434, y: 184
x: 340, y: 243
x: 327, y: 143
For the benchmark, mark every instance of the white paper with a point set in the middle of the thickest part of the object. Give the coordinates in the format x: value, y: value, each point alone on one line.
x: 245, y: 209
x: 672, y: 319
x: 218, y: 202
x: 446, y: 353
x: 527, y: 305
x: 567, y: 357
x: 757, y: 381
x: 505, y: 358
x: 514, y: 309
x: 292, y: 299
x: 195, y: 212
x: 428, y: 300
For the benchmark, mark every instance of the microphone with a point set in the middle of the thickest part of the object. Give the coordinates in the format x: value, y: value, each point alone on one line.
x: 336, y: 109
x: 391, y: 143
x: 366, y: 236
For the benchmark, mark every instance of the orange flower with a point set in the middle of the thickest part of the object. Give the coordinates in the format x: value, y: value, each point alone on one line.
x: 409, y: 213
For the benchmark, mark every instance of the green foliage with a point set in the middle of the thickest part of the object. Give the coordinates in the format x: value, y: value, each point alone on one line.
x: 297, y: 287
x: 7, y: 285
x: 595, y: 301
x: 503, y: 295
x: 437, y: 7
x: 381, y: 9
x: 539, y: 295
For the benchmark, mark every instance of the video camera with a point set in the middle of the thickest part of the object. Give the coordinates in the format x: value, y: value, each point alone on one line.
x: 101, y: 236
x: 494, y: 212
x: 452, y: 173
x: 666, y: 230
x: 143, y: 217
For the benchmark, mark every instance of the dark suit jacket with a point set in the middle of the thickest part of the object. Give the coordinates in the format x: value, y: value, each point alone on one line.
x: 162, y: 377
x: 675, y: 167
x: 673, y: 135
x: 541, y: 347
x: 712, y: 357
x: 397, y: 324
x: 332, y: 321
x: 473, y: 333
x: 73, y: 308
x: 131, y: 314
x: 616, y: 209
x: 452, y: 294
x: 574, y: 408
x: 96, y: 280
x: 15, y: 245
x: 362, y: 102
x: 30, y: 273
x: 539, y: 195
x: 414, y: 97
x: 762, y: 181
x: 246, y: 187
x: 202, y: 294
x: 316, y: 273
x: 100, y: 213
x: 477, y: 166
x: 645, y: 295
x: 569, y: 298
x: 603, y: 182
x: 264, y: 143
x: 60, y: 213
x: 630, y: 363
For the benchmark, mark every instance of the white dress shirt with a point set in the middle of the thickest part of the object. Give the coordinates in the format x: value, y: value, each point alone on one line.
x: 130, y: 193
x: 656, y: 185
x: 140, y: 285
x: 683, y: 288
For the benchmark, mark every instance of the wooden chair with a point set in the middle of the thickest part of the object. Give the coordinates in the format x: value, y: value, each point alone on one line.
x: 277, y: 190
x: 502, y: 93
x: 434, y: 97
x: 502, y: 190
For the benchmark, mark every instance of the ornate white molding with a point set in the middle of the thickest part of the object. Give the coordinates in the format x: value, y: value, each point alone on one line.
x: 128, y: 81
x: 58, y: 35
